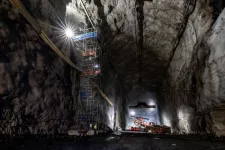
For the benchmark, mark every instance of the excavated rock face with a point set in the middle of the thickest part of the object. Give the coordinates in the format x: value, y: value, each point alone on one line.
x: 37, y: 89
x: 131, y: 31
x: 171, y: 47
x: 138, y: 38
x: 193, y: 90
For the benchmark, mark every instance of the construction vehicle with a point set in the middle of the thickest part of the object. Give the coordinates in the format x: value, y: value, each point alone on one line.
x: 151, y: 127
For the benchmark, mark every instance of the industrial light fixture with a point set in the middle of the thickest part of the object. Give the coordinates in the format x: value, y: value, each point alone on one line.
x: 132, y: 113
x: 69, y: 32
x: 152, y: 103
x: 96, y: 66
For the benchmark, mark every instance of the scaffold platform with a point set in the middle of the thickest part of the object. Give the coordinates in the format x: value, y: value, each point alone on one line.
x: 91, y: 66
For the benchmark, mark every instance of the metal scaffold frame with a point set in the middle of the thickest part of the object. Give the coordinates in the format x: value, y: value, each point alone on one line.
x: 84, y: 36
x: 90, y: 64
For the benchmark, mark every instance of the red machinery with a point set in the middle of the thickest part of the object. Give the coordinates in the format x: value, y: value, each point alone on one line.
x: 89, y: 70
x: 134, y: 129
x: 139, y: 122
x: 92, y: 72
x: 89, y: 53
x: 149, y: 127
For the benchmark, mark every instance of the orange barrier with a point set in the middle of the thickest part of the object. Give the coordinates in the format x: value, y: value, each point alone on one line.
x: 89, y: 53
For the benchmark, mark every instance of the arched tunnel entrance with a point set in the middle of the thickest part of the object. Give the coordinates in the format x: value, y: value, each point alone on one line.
x: 113, y: 71
x: 142, y: 105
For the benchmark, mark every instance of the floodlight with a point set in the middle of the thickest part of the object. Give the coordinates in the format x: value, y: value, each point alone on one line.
x: 132, y: 113
x: 96, y: 66
x: 69, y: 32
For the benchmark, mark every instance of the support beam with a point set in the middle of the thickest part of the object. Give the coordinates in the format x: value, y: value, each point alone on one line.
x: 103, y: 94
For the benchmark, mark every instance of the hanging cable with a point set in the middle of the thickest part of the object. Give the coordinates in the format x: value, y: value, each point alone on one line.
x: 47, y: 40
x: 85, y: 10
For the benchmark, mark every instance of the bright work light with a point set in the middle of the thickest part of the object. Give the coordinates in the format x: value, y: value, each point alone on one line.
x: 96, y: 66
x: 132, y: 113
x: 69, y: 32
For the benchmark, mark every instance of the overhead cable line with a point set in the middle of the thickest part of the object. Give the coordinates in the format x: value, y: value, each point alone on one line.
x: 43, y: 35
x: 85, y: 10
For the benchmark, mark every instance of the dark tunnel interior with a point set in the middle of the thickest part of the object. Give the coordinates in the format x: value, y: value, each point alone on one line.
x: 125, y: 69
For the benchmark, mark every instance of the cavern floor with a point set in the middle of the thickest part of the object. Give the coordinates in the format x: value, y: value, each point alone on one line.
x: 128, y: 141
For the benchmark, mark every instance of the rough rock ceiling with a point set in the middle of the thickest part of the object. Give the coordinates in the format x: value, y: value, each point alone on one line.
x: 139, y: 37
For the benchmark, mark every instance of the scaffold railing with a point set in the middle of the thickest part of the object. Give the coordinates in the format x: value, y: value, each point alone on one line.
x: 90, y: 65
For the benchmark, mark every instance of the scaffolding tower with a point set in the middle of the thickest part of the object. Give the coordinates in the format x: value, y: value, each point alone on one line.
x: 90, y: 64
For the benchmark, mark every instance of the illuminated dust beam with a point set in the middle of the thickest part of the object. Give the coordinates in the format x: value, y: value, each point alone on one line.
x: 62, y: 25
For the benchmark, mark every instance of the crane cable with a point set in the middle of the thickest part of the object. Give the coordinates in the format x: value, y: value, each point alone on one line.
x: 48, y: 41
x: 86, y: 12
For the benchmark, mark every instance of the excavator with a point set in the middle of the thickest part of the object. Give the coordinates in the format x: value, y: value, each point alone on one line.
x: 141, y: 124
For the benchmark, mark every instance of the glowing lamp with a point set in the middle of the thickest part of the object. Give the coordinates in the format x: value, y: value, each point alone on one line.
x: 96, y: 66
x: 132, y: 113
x: 69, y: 32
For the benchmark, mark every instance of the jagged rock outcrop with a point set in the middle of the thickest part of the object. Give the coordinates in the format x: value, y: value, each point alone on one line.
x: 193, y: 90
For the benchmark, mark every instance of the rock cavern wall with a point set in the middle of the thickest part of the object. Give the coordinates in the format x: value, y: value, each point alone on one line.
x: 130, y: 31
x: 193, y: 93
x: 164, y: 46
x: 173, y: 48
x: 38, y: 90
x: 114, y: 116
